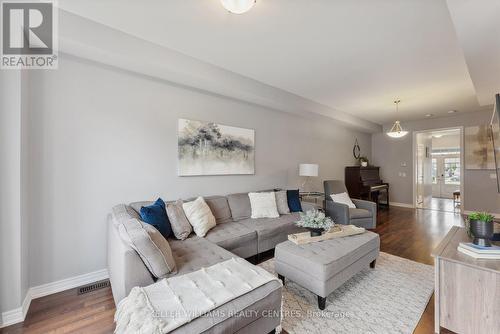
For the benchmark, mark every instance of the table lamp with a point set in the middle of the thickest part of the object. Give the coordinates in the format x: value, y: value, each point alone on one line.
x: 308, y: 171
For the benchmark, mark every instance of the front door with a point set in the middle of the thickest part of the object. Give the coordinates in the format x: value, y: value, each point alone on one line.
x: 445, y: 175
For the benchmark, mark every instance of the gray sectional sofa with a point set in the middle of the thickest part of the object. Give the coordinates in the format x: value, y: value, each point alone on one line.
x: 236, y: 234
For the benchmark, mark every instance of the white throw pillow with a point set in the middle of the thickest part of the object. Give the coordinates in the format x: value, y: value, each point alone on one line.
x: 199, y: 215
x: 343, y: 198
x: 263, y: 205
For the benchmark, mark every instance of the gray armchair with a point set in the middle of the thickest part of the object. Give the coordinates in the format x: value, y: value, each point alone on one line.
x: 364, y: 215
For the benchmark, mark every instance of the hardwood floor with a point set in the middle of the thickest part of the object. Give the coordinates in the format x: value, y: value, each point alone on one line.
x: 408, y: 233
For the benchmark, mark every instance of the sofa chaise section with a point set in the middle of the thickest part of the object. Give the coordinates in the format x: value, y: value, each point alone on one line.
x: 234, y: 237
x: 127, y: 270
x: 272, y: 231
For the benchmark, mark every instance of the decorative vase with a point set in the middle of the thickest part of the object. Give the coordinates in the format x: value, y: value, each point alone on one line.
x: 364, y: 164
x: 482, y: 232
x: 315, y: 232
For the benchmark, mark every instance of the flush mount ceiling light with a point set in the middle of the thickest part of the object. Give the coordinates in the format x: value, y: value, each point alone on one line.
x: 396, y: 130
x: 238, y: 6
x: 452, y: 111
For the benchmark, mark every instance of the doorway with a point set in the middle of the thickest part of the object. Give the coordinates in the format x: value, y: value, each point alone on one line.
x: 438, y: 164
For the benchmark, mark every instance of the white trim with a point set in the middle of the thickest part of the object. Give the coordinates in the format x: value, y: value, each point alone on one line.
x: 462, y: 165
x: 68, y: 283
x: 403, y: 205
x: 496, y: 215
x: 17, y: 315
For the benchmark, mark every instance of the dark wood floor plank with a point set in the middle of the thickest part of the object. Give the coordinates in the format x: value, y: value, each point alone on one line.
x: 404, y: 232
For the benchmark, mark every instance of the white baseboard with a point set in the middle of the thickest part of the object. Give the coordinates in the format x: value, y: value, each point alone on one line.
x: 17, y: 315
x: 403, y: 205
x: 68, y: 283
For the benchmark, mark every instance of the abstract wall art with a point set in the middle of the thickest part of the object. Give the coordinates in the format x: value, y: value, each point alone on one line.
x: 206, y: 148
x: 479, y: 148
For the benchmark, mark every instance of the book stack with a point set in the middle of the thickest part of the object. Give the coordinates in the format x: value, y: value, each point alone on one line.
x: 479, y: 252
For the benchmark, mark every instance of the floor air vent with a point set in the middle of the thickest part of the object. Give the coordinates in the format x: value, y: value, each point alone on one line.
x: 93, y: 287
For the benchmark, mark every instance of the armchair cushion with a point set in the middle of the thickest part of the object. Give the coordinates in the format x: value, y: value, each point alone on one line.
x: 359, y: 213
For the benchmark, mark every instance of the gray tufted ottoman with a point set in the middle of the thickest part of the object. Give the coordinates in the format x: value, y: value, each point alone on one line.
x: 321, y: 267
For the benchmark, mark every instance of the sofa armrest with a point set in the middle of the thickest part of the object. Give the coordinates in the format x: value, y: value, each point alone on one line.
x: 338, y: 212
x: 367, y: 205
x: 370, y: 206
x: 125, y: 267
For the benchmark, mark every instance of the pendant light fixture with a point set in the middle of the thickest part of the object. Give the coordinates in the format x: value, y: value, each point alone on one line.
x: 396, y: 130
x: 238, y: 6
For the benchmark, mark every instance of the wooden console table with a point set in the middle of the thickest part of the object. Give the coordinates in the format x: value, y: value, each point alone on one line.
x: 467, y: 294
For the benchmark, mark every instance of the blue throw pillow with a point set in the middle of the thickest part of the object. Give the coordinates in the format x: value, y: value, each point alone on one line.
x: 293, y: 200
x: 156, y: 215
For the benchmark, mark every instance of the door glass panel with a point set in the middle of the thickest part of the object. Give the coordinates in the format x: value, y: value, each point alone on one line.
x: 452, y: 170
x: 434, y: 171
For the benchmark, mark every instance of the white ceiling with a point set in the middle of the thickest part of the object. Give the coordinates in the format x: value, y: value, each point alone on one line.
x: 355, y: 56
x: 477, y: 24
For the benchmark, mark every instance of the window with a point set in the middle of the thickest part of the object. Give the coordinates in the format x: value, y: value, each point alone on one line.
x: 434, y: 171
x: 452, y: 170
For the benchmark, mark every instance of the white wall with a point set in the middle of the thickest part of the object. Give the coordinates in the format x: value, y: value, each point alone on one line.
x: 101, y: 136
x: 388, y: 153
x: 11, y: 280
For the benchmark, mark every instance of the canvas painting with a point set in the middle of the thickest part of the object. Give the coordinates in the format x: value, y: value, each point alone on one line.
x: 479, y: 148
x: 207, y: 148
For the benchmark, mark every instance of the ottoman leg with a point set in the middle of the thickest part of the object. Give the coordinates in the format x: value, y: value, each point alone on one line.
x: 321, y: 302
x: 282, y: 278
x: 372, y: 264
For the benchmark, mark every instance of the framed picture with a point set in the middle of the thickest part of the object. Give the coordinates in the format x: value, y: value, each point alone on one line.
x: 206, y: 148
x: 479, y: 148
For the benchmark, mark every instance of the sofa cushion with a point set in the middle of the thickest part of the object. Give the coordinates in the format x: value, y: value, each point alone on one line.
x: 271, y: 231
x: 122, y: 212
x: 235, y: 238
x: 199, y: 215
x: 263, y: 205
x: 178, y: 220
x: 359, y: 213
x: 240, y: 206
x: 151, y: 246
x: 195, y: 253
x: 220, y: 208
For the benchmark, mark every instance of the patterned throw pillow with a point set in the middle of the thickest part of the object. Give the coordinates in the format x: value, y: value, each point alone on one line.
x: 263, y: 205
x: 282, y: 202
x: 178, y: 220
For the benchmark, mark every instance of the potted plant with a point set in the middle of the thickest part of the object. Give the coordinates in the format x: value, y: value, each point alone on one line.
x: 480, y: 227
x: 315, y: 221
x: 363, y: 161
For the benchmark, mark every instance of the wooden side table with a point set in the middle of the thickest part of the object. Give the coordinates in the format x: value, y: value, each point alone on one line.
x: 467, y: 293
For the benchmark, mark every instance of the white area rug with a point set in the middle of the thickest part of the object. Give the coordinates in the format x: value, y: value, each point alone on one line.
x: 388, y: 299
